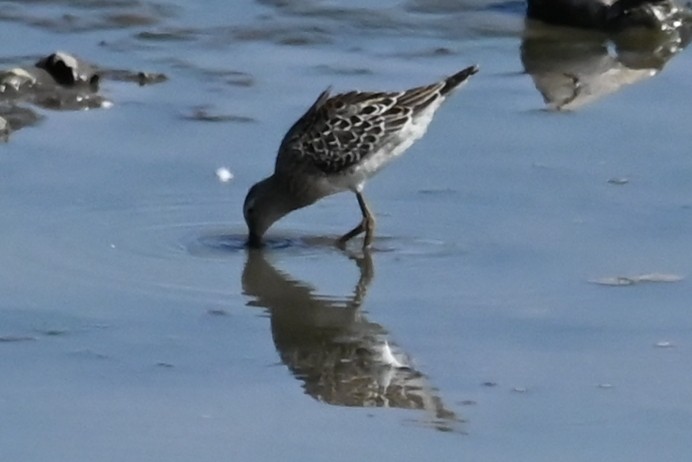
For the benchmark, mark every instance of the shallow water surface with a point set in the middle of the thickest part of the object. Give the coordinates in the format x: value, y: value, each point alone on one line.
x: 526, y: 298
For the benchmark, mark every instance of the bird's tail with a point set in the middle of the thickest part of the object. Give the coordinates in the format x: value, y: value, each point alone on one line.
x: 457, y: 79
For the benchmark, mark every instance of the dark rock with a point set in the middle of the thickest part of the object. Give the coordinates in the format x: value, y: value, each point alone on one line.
x: 141, y: 78
x: 59, y: 81
x: 69, y: 71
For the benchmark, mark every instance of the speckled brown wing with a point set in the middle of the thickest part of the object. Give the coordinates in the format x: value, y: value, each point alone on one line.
x: 338, y: 132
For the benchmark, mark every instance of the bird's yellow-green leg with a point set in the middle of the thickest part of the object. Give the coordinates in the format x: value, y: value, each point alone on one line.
x: 367, y: 225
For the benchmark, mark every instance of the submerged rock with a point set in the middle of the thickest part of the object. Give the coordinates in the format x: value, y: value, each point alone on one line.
x: 16, y: 117
x: 59, y: 81
x: 608, y: 14
x: 4, y: 128
x: 140, y: 78
x: 637, y: 279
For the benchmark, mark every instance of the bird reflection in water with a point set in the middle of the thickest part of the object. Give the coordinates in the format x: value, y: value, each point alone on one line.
x: 341, y: 357
x: 572, y: 67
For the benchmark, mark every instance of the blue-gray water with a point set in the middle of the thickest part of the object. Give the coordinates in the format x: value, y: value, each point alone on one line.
x: 134, y: 326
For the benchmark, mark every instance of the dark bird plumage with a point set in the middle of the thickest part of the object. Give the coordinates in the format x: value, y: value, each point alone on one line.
x: 339, y: 143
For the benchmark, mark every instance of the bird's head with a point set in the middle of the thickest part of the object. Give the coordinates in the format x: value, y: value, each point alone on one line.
x: 265, y: 203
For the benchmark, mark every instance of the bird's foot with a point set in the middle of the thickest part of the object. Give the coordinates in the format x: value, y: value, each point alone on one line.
x: 366, y: 226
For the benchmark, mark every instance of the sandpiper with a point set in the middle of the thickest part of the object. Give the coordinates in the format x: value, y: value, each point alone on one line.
x: 339, y: 143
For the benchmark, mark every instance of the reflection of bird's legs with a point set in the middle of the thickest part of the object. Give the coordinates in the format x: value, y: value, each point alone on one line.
x: 576, y: 90
x: 367, y: 225
x: 367, y: 273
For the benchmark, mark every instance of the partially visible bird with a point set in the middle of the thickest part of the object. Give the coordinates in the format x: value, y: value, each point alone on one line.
x: 339, y: 143
x: 610, y: 15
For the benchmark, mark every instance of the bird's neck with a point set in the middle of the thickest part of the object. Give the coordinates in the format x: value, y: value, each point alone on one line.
x: 291, y: 193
